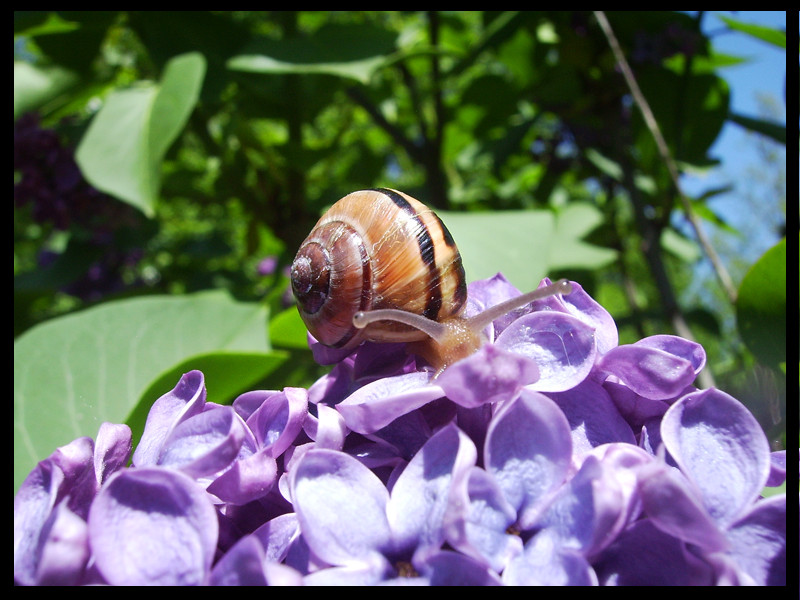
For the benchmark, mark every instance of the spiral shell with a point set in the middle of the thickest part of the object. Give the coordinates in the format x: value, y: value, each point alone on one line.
x: 375, y: 249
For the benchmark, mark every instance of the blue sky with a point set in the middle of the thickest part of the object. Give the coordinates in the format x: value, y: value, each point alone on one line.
x: 765, y: 72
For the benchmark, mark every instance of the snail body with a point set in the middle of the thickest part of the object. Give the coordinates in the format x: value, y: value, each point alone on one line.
x: 381, y: 266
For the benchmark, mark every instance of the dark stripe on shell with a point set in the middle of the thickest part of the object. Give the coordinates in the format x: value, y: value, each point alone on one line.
x: 460, y: 292
x: 427, y: 252
x: 366, y: 293
x: 448, y: 238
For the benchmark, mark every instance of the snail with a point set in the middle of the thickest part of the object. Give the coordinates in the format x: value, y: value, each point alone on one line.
x: 381, y: 266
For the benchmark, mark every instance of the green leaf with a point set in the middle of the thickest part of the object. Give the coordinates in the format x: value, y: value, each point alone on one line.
x: 122, y: 150
x: 497, y: 31
x: 525, y: 245
x: 287, y: 330
x: 761, y: 307
x: 574, y: 221
x: 74, y: 372
x: 513, y: 242
x: 690, y: 112
x: 349, y: 51
x: 34, y: 23
x: 35, y: 86
x: 760, y: 32
x: 771, y: 129
x: 606, y: 166
x: 676, y: 244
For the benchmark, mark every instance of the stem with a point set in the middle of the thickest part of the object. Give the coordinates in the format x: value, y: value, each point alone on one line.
x: 663, y: 149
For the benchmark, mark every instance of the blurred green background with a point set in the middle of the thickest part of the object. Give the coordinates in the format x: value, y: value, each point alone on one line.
x: 168, y: 164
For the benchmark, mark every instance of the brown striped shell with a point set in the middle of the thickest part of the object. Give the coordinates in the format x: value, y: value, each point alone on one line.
x: 376, y: 249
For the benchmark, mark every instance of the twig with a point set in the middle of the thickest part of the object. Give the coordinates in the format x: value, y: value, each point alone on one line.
x: 663, y: 149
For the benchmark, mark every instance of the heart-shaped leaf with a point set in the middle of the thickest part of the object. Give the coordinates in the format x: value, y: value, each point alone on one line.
x: 74, y: 372
x: 761, y: 307
x: 122, y: 150
x: 525, y: 245
x: 349, y: 51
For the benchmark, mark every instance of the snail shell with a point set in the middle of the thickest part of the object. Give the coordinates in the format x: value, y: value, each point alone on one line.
x: 376, y: 249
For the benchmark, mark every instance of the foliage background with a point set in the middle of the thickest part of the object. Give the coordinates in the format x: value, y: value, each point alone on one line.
x: 168, y: 164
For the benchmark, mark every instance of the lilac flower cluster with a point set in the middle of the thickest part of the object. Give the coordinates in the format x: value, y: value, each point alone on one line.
x: 553, y: 455
x: 48, y: 179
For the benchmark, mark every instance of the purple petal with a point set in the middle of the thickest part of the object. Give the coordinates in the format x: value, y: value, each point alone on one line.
x: 328, y: 430
x: 404, y: 436
x: 153, y: 526
x: 373, y: 360
x: 677, y: 346
x: 282, y: 575
x: 183, y: 401
x: 204, y: 444
x: 249, y: 402
x: 646, y: 556
x: 278, y: 535
x: 492, y: 291
x: 279, y: 419
x: 76, y: 461
x: 581, y: 305
x: 449, y: 568
x: 241, y: 565
x: 635, y: 409
x: 676, y: 508
x: 352, y: 575
x: 248, y: 479
x: 323, y: 355
x: 429, y: 484
x: 248, y: 563
x: 625, y: 461
x: 489, y: 375
x: 777, y: 472
x: 650, y: 372
x: 650, y: 439
x: 377, y: 404
x: 592, y: 417
x: 758, y: 542
x: 32, y: 507
x: 333, y: 387
x: 528, y: 449
x: 483, y: 531
x: 341, y: 507
x: 720, y: 446
x: 112, y: 450
x: 546, y: 562
x: 64, y: 549
x: 562, y: 346
x: 588, y: 512
x: 68, y: 476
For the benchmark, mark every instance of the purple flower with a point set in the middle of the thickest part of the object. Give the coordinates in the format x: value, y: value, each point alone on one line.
x: 248, y: 562
x: 153, y: 525
x: 552, y: 455
x: 51, y: 540
x: 714, y: 502
x: 365, y: 534
x: 267, y: 265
